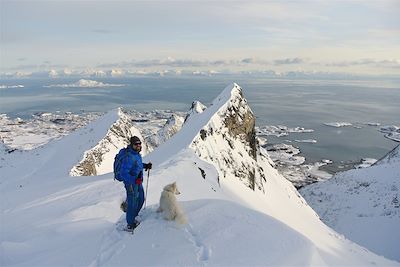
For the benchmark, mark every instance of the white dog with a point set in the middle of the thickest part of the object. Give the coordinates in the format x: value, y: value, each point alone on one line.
x: 169, y: 206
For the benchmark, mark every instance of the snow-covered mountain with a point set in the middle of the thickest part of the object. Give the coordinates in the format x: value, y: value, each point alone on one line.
x: 99, y: 159
x: 171, y: 127
x: 197, y: 107
x: 363, y: 204
x: 240, y: 210
x: 393, y: 157
x: 224, y: 136
x: 228, y: 140
x: 83, y: 83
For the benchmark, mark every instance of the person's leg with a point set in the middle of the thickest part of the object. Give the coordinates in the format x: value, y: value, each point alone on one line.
x: 140, y: 200
x: 141, y: 197
x: 130, y: 211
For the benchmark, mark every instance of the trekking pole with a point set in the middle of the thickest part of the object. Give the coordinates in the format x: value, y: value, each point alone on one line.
x: 147, y: 187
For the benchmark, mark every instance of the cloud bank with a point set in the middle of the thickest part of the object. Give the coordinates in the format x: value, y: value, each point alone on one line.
x: 82, y: 83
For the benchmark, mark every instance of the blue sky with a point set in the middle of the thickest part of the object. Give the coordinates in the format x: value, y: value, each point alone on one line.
x: 303, y: 35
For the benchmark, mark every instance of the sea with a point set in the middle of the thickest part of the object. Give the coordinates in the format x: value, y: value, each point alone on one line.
x: 308, y: 103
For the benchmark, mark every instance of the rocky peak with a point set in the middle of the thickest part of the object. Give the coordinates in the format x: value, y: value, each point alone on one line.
x: 99, y: 159
x: 229, y: 142
x: 240, y: 121
x: 196, y: 108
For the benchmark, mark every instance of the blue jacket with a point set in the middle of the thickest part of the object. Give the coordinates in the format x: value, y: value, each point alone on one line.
x: 132, y: 166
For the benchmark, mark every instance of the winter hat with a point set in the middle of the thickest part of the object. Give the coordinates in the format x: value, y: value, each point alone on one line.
x: 135, y: 140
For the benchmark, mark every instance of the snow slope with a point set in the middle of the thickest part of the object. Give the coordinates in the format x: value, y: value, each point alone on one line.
x: 49, y: 218
x: 363, y: 204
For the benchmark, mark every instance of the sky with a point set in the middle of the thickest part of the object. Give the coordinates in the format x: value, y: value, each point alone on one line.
x: 361, y: 37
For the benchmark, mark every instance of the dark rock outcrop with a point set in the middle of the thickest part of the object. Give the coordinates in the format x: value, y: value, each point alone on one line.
x: 229, y: 141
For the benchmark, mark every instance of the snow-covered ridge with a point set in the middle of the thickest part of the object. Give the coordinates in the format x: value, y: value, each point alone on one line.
x: 230, y: 222
x: 224, y: 135
x: 363, y: 204
x: 99, y: 159
x: 229, y: 142
x: 392, y: 157
x: 83, y: 83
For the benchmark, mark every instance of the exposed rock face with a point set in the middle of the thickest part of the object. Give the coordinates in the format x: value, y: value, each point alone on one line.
x: 241, y: 122
x: 99, y: 159
x: 229, y: 141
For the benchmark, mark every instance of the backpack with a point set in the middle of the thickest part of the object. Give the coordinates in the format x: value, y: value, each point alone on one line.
x: 122, y: 154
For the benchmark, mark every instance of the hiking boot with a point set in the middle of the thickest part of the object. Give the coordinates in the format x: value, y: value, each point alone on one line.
x: 132, y: 226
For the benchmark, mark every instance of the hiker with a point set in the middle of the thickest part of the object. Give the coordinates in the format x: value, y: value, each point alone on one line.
x: 132, y: 174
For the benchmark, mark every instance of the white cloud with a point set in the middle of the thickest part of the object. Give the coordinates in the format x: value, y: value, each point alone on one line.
x: 117, y: 73
x: 242, y: 34
x: 289, y: 61
x: 392, y: 63
x: 67, y: 72
x: 53, y: 74
x: 93, y: 73
x: 279, y: 11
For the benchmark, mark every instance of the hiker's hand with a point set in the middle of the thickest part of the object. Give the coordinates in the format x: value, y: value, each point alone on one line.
x: 148, y: 166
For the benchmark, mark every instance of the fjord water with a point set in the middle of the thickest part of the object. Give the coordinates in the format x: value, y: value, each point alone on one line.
x: 304, y: 103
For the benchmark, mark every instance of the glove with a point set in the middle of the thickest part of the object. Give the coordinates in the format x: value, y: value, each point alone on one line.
x: 148, y: 166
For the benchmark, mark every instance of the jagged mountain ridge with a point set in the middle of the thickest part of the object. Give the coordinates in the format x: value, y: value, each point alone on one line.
x: 230, y: 223
x: 237, y: 125
x: 234, y: 125
x: 224, y: 136
x: 229, y: 121
x: 99, y: 159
